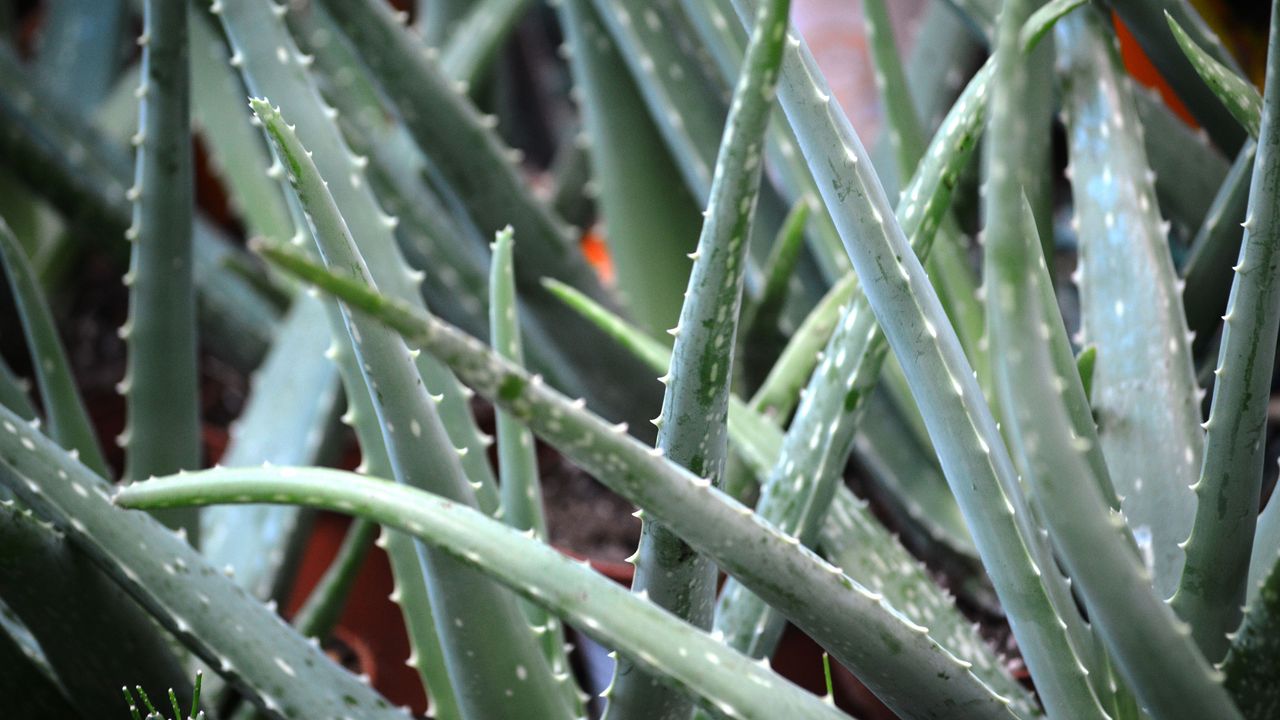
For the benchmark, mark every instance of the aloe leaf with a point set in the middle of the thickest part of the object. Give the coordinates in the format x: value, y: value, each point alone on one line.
x: 256, y: 34
x: 84, y: 175
x: 1149, y: 644
x: 800, y: 486
x: 482, y: 632
x: 1266, y: 545
x: 1212, y: 586
x: 236, y: 635
x: 426, y: 653
x: 162, y: 433
x: 92, y: 647
x: 943, y: 46
x: 1036, y: 101
x: 975, y: 461
x: 473, y: 162
x: 324, y: 605
x: 1254, y: 659
x: 1145, y: 18
x: 59, y: 156
x: 652, y: 352
x: 1143, y: 388
x: 80, y: 46
x: 1187, y: 168
x: 691, y: 427
x: 650, y: 222
x: 292, y: 403
x: 682, y: 655
x: 980, y: 14
x: 777, y: 396
x: 688, y: 105
x: 923, y: 680
x: 1207, y: 271
x: 518, y: 462
x: 451, y: 255
x: 752, y: 434
x: 851, y: 538
x: 477, y: 37
x: 1041, y: 22
x: 1239, y: 97
x: 69, y: 423
x: 948, y: 263
x: 689, y: 102
x: 923, y: 206
x: 726, y: 41
x: 238, y: 150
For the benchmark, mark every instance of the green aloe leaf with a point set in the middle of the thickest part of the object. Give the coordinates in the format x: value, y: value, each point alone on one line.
x: 257, y: 33
x: 30, y: 690
x: 518, y: 482
x: 84, y: 174
x: 239, y: 152
x: 688, y: 102
x: 433, y: 238
x: 1240, y: 97
x: 948, y: 263
x: 1147, y: 642
x: 92, y: 646
x: 799, y: 488
x: 650, y: 222
x: 1266, y: 546
x: 162, y: 427
x: 1188, y: 168
x: 1254, y: 658
x: 1146, y: 19
x: 259, y: 42
x: 973, y: 454
x: 726, y: 41
x: 692, y: 426
x: 1043, y: 19
x: 1214, y: 249
x: 479, y: 169
x: 288, y: 417
x: 921, y: 681
x: 69, y: 423
x: 1143, y: 390
x: 727, y: 682
x: 761, y: 315
x: 1212, y: 587
x: 239, y: 637
x: 483, y: 635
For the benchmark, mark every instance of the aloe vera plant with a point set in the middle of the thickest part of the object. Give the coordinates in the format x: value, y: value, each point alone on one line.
x: 1041, y: 441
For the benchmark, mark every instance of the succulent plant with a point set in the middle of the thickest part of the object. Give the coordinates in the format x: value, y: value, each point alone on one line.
x: 1083, y: 457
